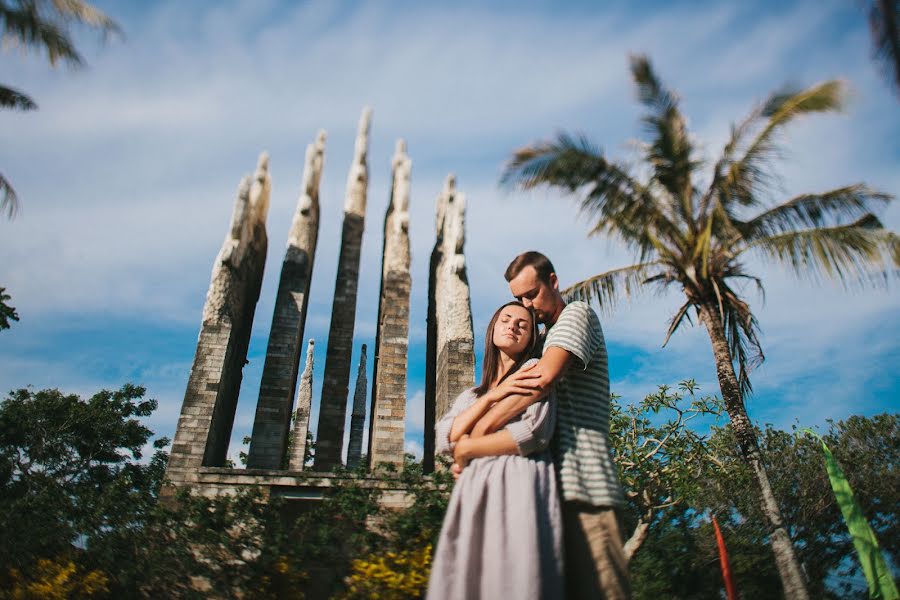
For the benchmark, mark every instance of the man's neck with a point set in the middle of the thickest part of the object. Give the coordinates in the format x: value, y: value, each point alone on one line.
x: 559, y: 308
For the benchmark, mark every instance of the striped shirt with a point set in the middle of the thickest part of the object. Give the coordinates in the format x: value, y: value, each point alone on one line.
x: 582, y: 450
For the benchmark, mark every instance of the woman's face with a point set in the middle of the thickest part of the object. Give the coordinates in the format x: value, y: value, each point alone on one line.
x: 513, y: 330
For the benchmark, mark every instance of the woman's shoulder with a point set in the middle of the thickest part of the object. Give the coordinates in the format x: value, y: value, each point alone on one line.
x: 466, y: 396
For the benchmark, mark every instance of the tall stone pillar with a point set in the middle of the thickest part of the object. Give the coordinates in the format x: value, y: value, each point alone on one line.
x: 333, y: 407
x: 207, y: 413
x: 268, y: 442
x: 386, y: 422
x: 450, y: 353
x: 358, y: 415
x: 301, y: 415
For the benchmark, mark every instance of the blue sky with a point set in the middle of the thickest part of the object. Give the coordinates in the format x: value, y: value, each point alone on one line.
x: 127, y: 176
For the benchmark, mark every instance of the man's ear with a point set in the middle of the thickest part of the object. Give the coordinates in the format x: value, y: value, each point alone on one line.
x: 554, y: 282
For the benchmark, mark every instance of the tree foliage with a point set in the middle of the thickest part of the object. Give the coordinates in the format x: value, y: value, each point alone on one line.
x: 659, y: 452
x: 80, y: 514
x: 682, y: 547
x: 7, y: 312
x: 884, y: 25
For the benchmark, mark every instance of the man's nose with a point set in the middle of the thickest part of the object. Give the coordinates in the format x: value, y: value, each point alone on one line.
x: 527, y: 302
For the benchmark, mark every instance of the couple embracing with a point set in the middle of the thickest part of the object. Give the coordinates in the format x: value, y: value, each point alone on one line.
x: 537, y: 506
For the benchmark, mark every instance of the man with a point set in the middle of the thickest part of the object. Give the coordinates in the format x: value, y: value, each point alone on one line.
x: 574, y: 363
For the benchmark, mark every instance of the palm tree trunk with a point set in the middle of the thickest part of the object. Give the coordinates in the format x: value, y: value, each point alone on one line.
x: 792, y: 578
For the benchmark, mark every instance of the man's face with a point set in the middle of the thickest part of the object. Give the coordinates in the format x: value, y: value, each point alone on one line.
x: 535, y: 294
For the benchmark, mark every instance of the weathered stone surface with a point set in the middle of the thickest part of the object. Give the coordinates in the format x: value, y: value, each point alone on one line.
x: 294, y: 486
x: 450, y: 356
x: 268, y: 443
x: 386, y: 423
x: 207, y: 413
x: 333, y: 406
x: 301, y: 414
x: 358, y: 415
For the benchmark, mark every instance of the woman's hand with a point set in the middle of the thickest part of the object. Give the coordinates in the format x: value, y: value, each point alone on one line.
x: 460, y: 456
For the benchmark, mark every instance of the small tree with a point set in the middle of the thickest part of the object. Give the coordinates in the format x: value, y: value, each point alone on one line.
x: 659, y: 462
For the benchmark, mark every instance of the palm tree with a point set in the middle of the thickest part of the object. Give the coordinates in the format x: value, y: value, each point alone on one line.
x: 884, y: 24
x: 695, y: 235
x: 42, y: 25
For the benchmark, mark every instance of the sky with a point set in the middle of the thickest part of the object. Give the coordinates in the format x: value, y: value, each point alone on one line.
x: 128, y: 171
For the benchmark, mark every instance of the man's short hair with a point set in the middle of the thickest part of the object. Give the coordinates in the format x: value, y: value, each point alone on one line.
x: 542, y: 266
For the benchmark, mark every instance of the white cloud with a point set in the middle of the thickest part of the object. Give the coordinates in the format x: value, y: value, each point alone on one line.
x: 415, y: 412
x: 414, y: 448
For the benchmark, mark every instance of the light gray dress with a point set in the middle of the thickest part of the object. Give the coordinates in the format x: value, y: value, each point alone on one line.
x: 502, y: 534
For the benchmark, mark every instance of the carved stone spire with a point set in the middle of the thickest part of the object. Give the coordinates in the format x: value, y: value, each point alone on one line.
x: 268, y: 442
x: 333, y: 407
x: 358, y: 177
x: 301, y: 414
x: 386, y: 421
x: 450, y: 356
x: 207, y: 413
x: 358, y: 416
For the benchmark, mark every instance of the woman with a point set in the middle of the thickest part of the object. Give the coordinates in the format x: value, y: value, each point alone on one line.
x: 502, y: 534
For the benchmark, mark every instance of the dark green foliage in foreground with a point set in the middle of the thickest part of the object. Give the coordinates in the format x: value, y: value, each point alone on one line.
x: 7, y: 312
x: 73, y: 489
x: 679, y: 558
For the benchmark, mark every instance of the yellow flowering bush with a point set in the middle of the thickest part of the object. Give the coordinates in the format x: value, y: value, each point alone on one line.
x: 55, y: 580
x: 390, y: 576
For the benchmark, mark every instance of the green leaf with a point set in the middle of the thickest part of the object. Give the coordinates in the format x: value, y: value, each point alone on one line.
x: 817, y: 210
x: 608, y: 288
x: 878, y: 575
x: 10, y: 98
x: 862, y: 252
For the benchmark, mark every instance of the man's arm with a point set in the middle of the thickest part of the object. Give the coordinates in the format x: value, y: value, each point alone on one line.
x: 548, y: 370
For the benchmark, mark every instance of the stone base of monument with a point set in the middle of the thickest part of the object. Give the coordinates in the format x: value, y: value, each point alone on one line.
x: 295, y: 487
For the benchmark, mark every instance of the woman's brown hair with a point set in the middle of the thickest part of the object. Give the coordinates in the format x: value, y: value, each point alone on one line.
x: 491, y: 360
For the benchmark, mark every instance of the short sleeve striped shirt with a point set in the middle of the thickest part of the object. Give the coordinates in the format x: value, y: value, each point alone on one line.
x: 583, y: 455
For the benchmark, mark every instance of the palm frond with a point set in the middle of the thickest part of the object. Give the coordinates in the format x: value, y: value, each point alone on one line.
x: 609, y: 287
x: 45, y: 26
x: 862, y: 252
x: 735, y: 142
x: 745, y: 177
x: 680, y: 315
x: 9, y: 202
x: 617, y: 201
x: 884, y: 23
x: 742, y: 334
x: 669, y: 151
x: 27, y: 28
x: 816, y: 210
x: 569, y: 161
x: 735, y: 271
x: 10, y: 98
x: 82, y: 12
x: 651, y: 92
